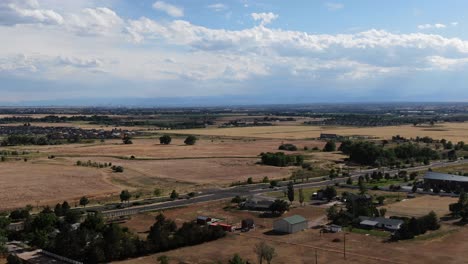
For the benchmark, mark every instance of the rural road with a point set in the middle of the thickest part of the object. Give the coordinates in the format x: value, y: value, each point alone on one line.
x: 245, y: 190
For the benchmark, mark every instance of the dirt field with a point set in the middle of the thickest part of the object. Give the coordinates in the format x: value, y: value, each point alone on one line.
x: 450, y: 131
x: 443, y: 246
x: 45, y: 183
x: 421, y: 205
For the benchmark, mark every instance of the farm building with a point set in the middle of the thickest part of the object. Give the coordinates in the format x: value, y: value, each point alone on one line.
x: 328, y: 136
x: 290, y: 224
x: 334, y: 228
x: 380, y: 223
x: 257, y: 203
x: 446, y: 181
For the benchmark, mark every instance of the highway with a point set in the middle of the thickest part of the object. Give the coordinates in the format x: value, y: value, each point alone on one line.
x: 253, y: 189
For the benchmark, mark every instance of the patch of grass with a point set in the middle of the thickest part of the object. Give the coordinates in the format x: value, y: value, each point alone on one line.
x: 435, y: 234
x: 371, y: 232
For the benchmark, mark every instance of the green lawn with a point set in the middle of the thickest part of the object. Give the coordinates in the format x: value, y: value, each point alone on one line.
x: 371, y: 232
x: 381, y: 183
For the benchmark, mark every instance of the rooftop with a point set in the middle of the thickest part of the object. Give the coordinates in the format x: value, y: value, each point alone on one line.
x: 295, y: 219
x: 430, y: 175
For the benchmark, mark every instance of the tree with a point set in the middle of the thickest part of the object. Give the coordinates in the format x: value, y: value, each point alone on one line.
x: 291, y: 191
x: 84, y: 201
x: 236, y: 259
x: 165, y: 140
x: 381, y: 199
x: 157, y: 192
x: 279, y: 207
x: 249, y: 180
x: 127, y: 140
x: 264, y: 252
x: 301, y: 196
x: 13, y: 259
x: 58, y: 210
x: 190, y: 140
x: 65, y: 207
x: 349, y: 181
x: 174, y: 195
x: 329, y: 193
x: 362, y: 186
x: 163, y: 259
x: 125, y: 196
x: 265, y: 179
x: 382, y: 212
x: 330, y: 146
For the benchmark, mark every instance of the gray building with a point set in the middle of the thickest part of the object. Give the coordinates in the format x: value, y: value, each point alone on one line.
x: 380, y: 222
x: 443, y: 181
x: 290, y: 224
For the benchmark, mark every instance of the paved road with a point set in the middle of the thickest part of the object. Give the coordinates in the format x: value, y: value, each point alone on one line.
x: 244, y: 190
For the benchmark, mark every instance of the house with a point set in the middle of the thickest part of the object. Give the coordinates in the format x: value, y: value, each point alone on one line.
x: 445, y: 181
x: 257, y: 203
x: 290, y: 224
x: 380, y: 223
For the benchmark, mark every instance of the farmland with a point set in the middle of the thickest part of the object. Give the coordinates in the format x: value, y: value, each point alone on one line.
x: 450, y: 131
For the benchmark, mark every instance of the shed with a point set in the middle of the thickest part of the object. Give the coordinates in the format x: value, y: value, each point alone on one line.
x: 334, y: 228
x: 203, y: 220
x: 247, y: 223
x: 290, y: 224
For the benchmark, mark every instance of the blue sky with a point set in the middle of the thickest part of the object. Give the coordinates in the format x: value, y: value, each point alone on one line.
x: 232, y: 51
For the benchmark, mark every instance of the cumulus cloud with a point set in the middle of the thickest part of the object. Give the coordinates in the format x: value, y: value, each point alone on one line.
x: 431, y: 26
x: 99, y: 20
x: 218, y: 7
x: 169, y: 9
x: 14, y: 12
x: 334, y: 6
x: 264, y: 18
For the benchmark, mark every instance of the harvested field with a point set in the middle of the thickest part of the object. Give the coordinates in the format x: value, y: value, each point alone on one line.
x: 46, y: 183
x: 450, y: 131
x: 420, y: 206
x: 150, y: 148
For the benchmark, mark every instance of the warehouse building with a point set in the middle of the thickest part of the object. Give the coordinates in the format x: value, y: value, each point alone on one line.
x: 290, y: 224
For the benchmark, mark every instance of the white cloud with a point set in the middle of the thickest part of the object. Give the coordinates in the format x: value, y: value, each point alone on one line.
x: 169, y: 9
x: 14, y: 12
x: 264, y: 18
x: 334, y: 6
x: 454, y: 24
x: 432, y: 26
x: 218, y: 7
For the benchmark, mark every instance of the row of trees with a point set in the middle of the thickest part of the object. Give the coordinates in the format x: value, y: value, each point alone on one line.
x: 164, y: 140
x: 280, y: 159
x: 17, y: 140
x: 416, y: 226
x: 369, y: 153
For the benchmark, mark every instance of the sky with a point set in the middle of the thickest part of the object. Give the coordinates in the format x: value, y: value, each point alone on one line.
x: 232, y: 52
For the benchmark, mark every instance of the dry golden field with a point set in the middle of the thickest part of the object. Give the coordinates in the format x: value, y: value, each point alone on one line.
x: 46, y: 183
x: 209, y: 163
x: 450, y: 131
x: 420, y: 206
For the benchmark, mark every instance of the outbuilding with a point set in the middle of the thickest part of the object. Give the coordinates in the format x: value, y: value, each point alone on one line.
x: 290, y: 224
x: 247, y: 223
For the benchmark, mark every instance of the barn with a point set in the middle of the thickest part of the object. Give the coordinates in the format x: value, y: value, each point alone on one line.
x: 290, y: 224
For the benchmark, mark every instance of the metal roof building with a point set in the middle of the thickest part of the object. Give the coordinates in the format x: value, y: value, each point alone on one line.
x: 447, y: 182
x: 290, y: 224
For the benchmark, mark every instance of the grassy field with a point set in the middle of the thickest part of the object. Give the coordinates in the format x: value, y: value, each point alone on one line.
x: 450, y: 131
x: 420, y: 206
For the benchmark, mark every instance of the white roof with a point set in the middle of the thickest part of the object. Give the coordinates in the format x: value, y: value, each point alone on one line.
x: 369, y: 223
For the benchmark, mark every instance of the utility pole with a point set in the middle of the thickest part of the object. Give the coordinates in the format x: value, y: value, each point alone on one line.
x: 316, y: 259
x: 344, y: 245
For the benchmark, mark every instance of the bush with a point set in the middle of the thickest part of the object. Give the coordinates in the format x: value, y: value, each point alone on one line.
x: 288, y: 147
x: 190, y: 140
x: 165, y: 140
